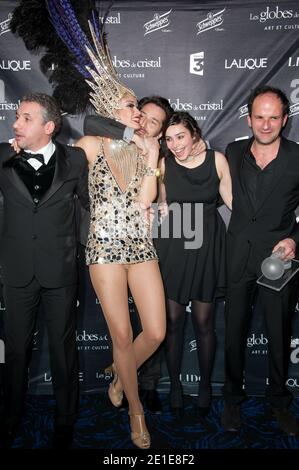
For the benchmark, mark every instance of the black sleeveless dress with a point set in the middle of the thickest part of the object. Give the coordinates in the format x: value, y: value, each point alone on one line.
x: 198, y: 271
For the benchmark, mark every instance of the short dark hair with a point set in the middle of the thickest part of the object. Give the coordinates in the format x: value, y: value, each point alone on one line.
x: 51, y: 111
x: 163, y: 103
x: 262, y: 90
x: 188, y: 121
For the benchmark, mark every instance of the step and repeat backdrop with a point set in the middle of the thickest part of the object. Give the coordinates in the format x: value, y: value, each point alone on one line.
x: 204, y: 57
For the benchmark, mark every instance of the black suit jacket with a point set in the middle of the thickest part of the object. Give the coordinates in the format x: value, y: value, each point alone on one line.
x: 41, y: 240
x: 254, y: 232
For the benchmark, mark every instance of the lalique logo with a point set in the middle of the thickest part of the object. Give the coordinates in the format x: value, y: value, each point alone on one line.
x: 112, y: 19
x: 248, y: 63
x: 158, y: 22
x: 213, y: 20
x: 197, y: 63
x: 4, y: 25
x: 273, y: 13
x: 15, y: 65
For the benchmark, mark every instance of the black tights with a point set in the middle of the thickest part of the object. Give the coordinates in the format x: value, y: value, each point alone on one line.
x: 203, y: 324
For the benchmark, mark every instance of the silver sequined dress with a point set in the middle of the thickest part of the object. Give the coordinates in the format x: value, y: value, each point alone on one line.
x: 119, y: 232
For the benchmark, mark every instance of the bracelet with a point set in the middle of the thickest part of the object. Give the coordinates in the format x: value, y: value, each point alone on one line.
x: 152, y: 171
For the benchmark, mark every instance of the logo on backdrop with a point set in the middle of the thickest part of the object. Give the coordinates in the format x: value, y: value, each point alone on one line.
x: 293, y: 62
x: 243, y: 111
x: 292, y: 382
x: 115, y: 19
x: 192, y: 345
x: 179, y: 105
x: 4, y: 106
x: 249, y: 63
x: 257, y: 344
x: 213, y: 20
x: 294, y: 357
x: 270, y: 16
x: 2, y: 352
x: 91, y: 341
x: 15, y: 65
x: 4, y: 25
x: 136, y: 68
x: 197, y: 63
x: 158, y: 22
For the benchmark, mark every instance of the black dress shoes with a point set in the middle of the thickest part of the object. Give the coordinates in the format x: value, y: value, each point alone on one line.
x: 286, y: 421
x: 63, y: 437
x: 7, y: 437
x: 202, y: 411
x: 231, y: 418
x: 152, y: 401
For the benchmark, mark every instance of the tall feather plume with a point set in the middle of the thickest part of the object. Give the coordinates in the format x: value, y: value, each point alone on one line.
x: 63, y: 63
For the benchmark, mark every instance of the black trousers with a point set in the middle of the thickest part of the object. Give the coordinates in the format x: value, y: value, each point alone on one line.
x: 278, y: 308
x: 22, y: 305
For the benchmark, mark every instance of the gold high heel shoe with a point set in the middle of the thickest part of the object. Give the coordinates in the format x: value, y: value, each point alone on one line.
x: 142, y: 438
x: 115, y: 397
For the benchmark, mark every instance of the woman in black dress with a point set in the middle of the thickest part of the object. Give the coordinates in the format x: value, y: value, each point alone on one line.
x: 192, y: 269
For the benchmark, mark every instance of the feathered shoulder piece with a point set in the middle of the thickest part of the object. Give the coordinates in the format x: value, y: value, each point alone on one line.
x: 76, y: 56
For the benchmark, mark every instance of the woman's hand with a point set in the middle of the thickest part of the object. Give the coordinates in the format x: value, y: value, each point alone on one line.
x: 15, y: 146
x: 163, y: 209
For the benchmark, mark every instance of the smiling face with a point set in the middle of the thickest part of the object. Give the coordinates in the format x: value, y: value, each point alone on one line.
x: 151, y: 120
x: 32, y: 132
x: 179, y: 141
x: 267, y: 119
x: 127, y: 113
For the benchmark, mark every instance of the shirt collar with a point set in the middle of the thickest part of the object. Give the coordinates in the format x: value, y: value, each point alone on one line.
x: 47, y: 151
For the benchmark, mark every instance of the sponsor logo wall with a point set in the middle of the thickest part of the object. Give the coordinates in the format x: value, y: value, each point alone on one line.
x: 205, y: 58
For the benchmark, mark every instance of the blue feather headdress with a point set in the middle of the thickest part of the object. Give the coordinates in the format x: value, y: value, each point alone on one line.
x: 76, y: 44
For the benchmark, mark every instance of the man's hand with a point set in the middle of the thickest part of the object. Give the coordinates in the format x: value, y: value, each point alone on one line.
x: 289, y: 247
x: 198, y: 148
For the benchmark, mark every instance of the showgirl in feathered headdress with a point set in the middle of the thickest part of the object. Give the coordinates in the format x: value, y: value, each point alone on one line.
x: 119, y: 249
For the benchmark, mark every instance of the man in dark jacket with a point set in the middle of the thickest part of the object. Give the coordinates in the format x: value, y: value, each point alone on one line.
x: 265, y: 179
x: 38, y: 255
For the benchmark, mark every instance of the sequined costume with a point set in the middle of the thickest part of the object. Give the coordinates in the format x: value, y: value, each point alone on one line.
x: 119, y: 232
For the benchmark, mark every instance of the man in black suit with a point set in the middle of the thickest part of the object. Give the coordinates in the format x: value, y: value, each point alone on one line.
x: 41, y: 186
x: 265, y: 177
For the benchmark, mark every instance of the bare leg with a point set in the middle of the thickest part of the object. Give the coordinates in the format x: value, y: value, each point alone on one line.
x: 110, y: 283
x: 147, y: 290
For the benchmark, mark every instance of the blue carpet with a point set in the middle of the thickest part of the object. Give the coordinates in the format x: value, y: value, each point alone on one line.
x: 100, y: 426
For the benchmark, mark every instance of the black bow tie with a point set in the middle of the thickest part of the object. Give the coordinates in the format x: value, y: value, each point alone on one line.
x: 24, y: 156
